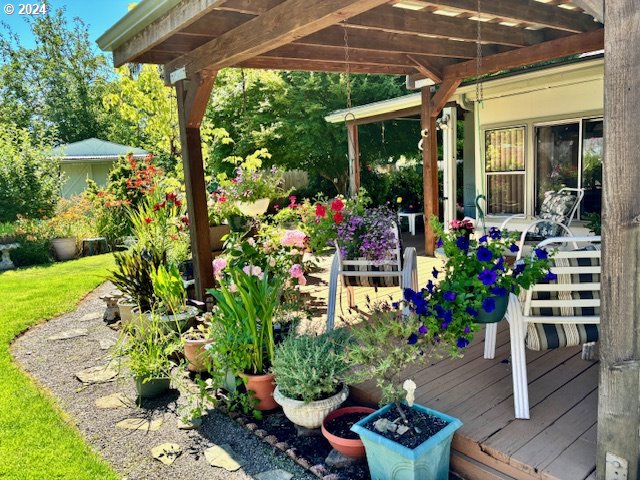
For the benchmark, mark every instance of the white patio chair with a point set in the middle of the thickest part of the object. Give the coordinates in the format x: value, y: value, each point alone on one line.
x: 556, y: 214
x: 396, y: 271
x: 559, y: 313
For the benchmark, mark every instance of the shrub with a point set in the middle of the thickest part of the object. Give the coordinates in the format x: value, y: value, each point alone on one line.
x: 309, y: 368
x: 29, y: 180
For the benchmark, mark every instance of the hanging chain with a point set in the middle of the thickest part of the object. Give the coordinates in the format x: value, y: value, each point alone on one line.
x: 348, y: 71
x: 479, y: 87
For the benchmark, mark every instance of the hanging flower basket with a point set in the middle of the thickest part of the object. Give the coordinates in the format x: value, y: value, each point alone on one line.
x: 252, y: 209
x: 496, y: 314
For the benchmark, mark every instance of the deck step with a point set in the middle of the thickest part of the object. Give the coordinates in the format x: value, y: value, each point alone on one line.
x: 467, y: 468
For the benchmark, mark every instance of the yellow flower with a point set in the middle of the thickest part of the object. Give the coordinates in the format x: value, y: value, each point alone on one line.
x: 399, y: 200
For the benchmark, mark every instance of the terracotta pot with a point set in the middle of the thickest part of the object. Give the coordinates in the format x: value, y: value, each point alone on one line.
x: 263, y: 387
x: 352, y: 448
x: 251, y: 209
x: 194, y: 352
x: 216, y: 232
x: 310, y: 415
x: 64, y: 248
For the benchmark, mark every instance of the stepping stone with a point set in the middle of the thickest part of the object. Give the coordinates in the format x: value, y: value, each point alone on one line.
x: 140, y: 424
x: 90, y: 316
x: 222, y: 456
x: 277, y: 474
x: 166, y: 453
x: 189, y: 424
x: 337, y: 460
x: 99, y: 374
x: 115, y: 400
x: 106, y: 343
x: 66, y: 335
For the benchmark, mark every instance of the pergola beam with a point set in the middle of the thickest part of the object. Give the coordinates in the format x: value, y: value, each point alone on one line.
x: 289, y: 21
x: 422, y: 22
x: 272, y: 63
x: 426, y: 69
x: 528, y: 11
x: 561, y: 47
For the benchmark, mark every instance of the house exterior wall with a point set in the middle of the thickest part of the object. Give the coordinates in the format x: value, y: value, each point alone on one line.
x: 567, y: 93
x: 77, y: 173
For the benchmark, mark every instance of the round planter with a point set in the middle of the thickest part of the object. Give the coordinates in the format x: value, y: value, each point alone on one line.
x: 353, y: 448
x: 263, y: 387
x: 252, y: 209
x: 194, y: 352
x: 153, y: 387
x: 497, y: 314
x: 216, y: 232
x: 64, y: 248
x: 309, y: 415
x: 126, y: 306
x: 178, y: 322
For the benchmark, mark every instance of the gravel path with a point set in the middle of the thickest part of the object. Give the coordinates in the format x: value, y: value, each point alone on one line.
x: 53, y: 364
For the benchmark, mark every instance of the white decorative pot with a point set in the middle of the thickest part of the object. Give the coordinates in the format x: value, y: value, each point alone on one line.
x: 171, y: 322
x: 64, y: 248
x: 126, y: 306
x: 310, y: 415
x: 251, y: 209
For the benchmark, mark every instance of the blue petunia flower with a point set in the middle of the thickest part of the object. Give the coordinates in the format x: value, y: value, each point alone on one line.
x: 449, y: 296
x: 430, y: 286
x: 542, y: 254
x: 471, y: 311
x: 408, y: 294
x: 489, y: 305
x: 550, y: 276
x: 484, y: 254
x: 439, y: 311
x: 448, y: 316
x: 421, y: 307
x: 395, y: 305
x: 462, y: 342
x: 463, y: 243
x: 483, y: 239
x: 435, y: 272
x: 487, y: 277
x: 439, y: 243
x: 499, y: 291
x: 499, y: 264
x: 514, y: 248
x: 495, y: 233
x: 423, y: 330
x: 518, y: 268
x: 413, y: 339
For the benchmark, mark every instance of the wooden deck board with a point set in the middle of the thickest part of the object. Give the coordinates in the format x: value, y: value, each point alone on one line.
x: 558, y: 443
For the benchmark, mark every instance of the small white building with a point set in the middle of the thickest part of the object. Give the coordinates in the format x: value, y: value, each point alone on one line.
x: 535, y: 130
x: 90, y: 159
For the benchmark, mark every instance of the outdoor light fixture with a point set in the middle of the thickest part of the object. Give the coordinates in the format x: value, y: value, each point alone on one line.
x: 443, y: 122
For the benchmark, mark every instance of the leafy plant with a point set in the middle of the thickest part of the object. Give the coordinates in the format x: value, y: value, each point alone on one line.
x: 309, y: 368
x: 168, y: 287
x: 133, y: 275
x: 594, y: 222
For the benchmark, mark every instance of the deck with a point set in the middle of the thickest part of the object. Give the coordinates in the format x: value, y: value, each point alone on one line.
x: 559, y: 442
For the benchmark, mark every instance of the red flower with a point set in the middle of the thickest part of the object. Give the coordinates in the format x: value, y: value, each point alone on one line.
x: 337, y: 205
x: 100, y: 193
x: 185, y: 220
x: 338, y: 217
x: 321, y: 210
x: 148, y: 219
x: 171, y: 196
x: 222, y: 199
x: 177, y: 203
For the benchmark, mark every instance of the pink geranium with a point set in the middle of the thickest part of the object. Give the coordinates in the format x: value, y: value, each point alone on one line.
x: 293, y: 238
x: 218, y: 265
x: 297, y: 272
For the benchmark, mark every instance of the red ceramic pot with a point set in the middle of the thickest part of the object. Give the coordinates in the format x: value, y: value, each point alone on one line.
x: 263, y: 387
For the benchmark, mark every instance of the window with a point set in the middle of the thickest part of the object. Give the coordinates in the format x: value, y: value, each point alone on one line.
x: 504, y: 169
x: 570, y: 155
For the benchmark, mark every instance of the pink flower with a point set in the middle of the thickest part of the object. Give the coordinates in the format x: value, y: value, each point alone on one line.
x: 218, y: 265
x: 293, y: 238
x: 296, y: 272
x: 253, y: 270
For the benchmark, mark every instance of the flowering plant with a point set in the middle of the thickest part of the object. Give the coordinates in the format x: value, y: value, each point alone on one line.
x: 250, y: 182
x: 475, y: 274
x: 369, y: 235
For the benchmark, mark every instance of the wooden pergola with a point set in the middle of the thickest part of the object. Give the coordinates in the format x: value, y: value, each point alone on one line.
x: 435, y: 39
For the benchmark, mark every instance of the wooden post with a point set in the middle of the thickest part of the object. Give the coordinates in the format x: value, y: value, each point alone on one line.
x: 429, y: 168
x: 354, y: 158
x: 619, y: 390
x: 192, y: 102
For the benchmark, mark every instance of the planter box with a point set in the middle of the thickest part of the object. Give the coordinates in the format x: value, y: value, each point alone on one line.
x: 216, y: 233
x: 389, y: 460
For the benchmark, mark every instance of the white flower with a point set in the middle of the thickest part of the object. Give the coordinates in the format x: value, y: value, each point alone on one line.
x: 410, y: 387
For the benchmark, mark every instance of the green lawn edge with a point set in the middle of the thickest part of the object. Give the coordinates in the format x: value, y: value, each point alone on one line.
x: 37, y: 441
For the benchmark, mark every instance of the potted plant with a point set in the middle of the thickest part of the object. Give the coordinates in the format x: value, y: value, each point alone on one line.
x: 308, y: 371
x: 336, y: 428
x: 252, y: 188
x: 476, y: 279
x: 148, y: 348
x: 403, y: 440
x: 172, y: 307
x: 195, y: 341
x: 63, y: 241
x: 247, y: 300
x: 132, y: 275
x: 219, y: 212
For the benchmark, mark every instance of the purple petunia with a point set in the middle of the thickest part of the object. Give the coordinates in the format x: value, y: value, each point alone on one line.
x: 489, y: 305
x: 514, y: 248
x: 449, y: 296
x: 413, y: 339
x: 395, y: 305
x: 462, y: 342
x: 484, y: 254
x: 430, y: 286
x: 518, y: 268
x: 467, y: 329
x: 421, y: 306
x: 541, y: 253
x: 483, y: 239
x: 448, y: 316
x: 408, y: 294
x: 550, y: 276
x: 423, y: 330
x: 487, y: 277
x: 435, y: 272
x: 439, y: 243
x: 463, y: 243
x: 495, y: 233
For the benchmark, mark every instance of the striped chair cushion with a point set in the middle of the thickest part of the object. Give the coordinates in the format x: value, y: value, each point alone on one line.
x: 543, y: 336
x: 370, y: 281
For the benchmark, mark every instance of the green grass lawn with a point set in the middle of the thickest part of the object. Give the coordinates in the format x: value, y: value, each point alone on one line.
x: 36, y: 442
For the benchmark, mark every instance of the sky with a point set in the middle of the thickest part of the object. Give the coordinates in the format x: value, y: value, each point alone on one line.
x: 99, y: 15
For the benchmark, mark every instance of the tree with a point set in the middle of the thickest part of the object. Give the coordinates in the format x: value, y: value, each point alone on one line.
x: 55, y: 87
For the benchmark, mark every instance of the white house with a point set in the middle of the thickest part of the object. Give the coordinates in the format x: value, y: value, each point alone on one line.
x: 534, y: 130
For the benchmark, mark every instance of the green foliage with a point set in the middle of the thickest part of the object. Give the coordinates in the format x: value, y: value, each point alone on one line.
x: 133, y: 273
x: 31, y: 252
x: 55, y: 87
x: 406, y: 185
x: 594, y: 222
x: 146, y: 345
x: 36, y: 438
x: 168, y: 287
x: 29, y: 180
x: 309, y: 368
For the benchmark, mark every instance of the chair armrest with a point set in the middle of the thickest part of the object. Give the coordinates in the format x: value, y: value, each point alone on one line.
x: 528, y: 228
